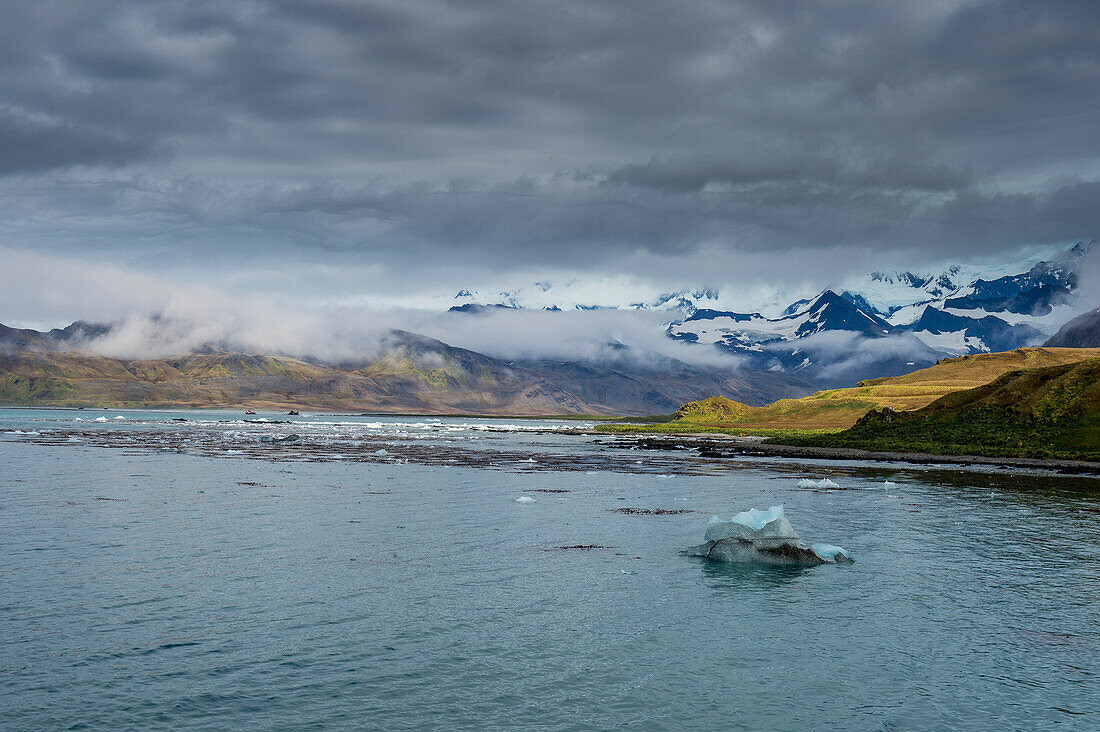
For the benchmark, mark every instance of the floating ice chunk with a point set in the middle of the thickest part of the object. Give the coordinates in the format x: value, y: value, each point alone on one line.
x: 120, y: 417
x: 525, y: 499
x: 823, y: 483
x: 832, y: 552
x: 752, y: 525
x: 100, y: 419
x: 763, y: 536
x: 889, y: 484
x: 30, y: 433
x: 381, y: 453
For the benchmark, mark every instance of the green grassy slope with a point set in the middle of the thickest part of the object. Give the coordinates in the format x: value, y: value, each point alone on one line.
x: 837, y: 409
x: 1049, y: 412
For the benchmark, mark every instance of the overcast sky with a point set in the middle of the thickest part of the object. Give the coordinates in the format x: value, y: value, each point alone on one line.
x: 364, y: 152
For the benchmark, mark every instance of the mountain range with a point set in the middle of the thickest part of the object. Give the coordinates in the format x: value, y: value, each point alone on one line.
x: 409, y: 374
x: 882, y: 325
x: 891, y: 324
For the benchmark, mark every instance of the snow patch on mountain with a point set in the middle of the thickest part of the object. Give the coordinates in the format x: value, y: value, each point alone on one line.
x: 598, y: 294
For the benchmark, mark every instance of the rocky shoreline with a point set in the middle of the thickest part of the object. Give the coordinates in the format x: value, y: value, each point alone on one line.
x: 731, y: 446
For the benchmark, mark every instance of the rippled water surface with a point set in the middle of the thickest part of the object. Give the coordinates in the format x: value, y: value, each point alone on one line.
x: 320, y: 572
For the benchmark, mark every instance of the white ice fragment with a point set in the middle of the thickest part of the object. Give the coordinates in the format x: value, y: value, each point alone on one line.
x: 120, y: 417
x: 832, y: 552
x: 889, y: 484
x: 100, y: 419
x: 823, y: 483
x: 381, y: 453
x: 752, y: 525
x: 525, y: 499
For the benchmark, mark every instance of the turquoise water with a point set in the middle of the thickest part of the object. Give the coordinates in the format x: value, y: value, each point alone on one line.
x: 194, y: 575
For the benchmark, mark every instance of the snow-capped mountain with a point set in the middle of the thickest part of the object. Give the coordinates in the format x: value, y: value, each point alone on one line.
x: 753, y: 332
x: 880, y: 324
x: 583, y: 295
x: 828, y: 340
x: 943, y: 315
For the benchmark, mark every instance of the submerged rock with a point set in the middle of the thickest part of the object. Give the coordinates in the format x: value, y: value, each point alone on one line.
x: 763, y: 536
x: 285, y: 438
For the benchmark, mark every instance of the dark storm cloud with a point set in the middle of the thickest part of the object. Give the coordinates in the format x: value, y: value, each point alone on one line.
x: 559, y: 133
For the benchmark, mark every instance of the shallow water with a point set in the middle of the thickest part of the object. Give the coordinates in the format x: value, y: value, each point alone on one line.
x: 192, y: 575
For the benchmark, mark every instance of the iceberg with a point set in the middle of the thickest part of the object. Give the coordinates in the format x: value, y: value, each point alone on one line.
x: 763, y: 536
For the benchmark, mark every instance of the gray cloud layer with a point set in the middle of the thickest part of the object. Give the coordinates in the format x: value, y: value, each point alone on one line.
x: 431, y: 141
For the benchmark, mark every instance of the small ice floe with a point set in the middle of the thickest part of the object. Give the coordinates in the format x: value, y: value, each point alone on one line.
x: 381, y: 453
x: 120, y: 417
x: 889, y: 484
x: 100, y: 419
x: 763, y: 536
x: 525, y: 499
x: 823, y: 483
x: 78, y: 419
x: 27, y: 433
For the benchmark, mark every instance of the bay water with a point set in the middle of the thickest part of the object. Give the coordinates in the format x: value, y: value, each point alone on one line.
x: 204, y: 570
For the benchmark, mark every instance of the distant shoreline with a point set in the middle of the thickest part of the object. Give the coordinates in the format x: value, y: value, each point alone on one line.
x: 313, y: 410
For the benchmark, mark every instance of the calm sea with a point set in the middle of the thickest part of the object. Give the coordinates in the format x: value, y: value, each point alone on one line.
x: 356, y: 572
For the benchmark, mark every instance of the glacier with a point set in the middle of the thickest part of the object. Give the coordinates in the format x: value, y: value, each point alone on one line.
x: 765, y: 537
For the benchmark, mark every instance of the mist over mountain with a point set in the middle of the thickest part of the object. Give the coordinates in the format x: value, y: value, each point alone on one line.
x: 631, y: 358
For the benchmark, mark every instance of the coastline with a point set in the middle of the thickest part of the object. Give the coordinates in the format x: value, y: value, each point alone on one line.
x: 707, y: 444
x: 731, y: 446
